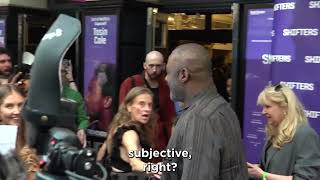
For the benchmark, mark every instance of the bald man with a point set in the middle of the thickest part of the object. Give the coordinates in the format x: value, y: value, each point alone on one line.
x: 209, y: 129
x: 152, y: 78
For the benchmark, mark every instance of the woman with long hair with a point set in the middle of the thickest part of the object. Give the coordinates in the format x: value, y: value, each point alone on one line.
x: 131, y: 130
x: 292, y: 150
x: 11, y: 101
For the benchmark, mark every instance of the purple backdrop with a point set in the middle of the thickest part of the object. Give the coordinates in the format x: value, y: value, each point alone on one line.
x: 2, y: 32
x: 294, y: 62
x: 297, y: 36
x: 258, y: 68
x: 100, y: 44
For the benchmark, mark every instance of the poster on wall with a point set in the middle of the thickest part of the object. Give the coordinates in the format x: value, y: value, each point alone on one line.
x: 258, y: 68
x: 100, y: 60
x: 2, y: 32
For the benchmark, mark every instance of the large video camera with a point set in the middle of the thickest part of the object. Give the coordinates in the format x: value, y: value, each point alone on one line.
x: 50, y: 121
x: 67, y: 160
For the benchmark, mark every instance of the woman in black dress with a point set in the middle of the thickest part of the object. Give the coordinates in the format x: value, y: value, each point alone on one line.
x: 130, y: 131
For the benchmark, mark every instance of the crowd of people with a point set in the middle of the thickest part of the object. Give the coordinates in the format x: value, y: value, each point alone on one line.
x: 206, y: 127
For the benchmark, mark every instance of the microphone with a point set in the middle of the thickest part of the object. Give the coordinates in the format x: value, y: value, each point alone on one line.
x: 44, y: 108
x: 49, y: 118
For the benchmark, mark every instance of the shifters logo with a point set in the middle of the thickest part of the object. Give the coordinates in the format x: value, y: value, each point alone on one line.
x: 56, y: 33
x: 271, y: 58
x: 299, y: 85
x: 312, y: 114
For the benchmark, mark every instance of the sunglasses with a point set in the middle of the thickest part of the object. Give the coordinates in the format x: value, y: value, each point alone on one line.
x: 278, y: 88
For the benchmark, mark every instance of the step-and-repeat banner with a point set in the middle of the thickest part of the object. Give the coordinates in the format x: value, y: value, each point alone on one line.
x: 282, y: 47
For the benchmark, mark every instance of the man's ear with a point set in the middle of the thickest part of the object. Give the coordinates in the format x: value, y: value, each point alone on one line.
x: 184, y: 75
x: 145, y: 65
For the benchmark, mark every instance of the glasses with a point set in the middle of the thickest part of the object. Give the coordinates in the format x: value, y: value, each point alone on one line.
x: 278, y: 88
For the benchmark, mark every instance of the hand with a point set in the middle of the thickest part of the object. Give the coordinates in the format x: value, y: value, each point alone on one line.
x: 82, y: 137
x: 107, y: 102
x: 68, y: 68
x: 14, y: 78
x: 158, y: 175
x: 254, y: 170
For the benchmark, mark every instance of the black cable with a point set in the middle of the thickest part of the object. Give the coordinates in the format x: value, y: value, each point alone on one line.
x: 103, y: 170
x: 72, y: 174
x: 79, y: 177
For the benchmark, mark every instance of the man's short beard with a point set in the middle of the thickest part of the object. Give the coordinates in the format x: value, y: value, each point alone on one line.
x: 179, y: 98
x: 154, y: 77
x: 179, y: 93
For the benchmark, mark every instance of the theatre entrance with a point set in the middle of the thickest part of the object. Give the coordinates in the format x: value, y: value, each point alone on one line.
x: 213, y: 29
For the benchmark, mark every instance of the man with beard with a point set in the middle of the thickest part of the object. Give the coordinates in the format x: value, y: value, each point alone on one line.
x: 152, y: 78
x: 5, y: 65
x: 6, y: 71
x: 208, y: 129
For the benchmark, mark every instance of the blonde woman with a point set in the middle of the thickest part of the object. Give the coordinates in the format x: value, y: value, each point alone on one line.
x: 130, y: 130
x: 292, y: 150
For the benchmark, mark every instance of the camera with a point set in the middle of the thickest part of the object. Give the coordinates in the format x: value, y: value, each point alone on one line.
x: 67, y: 160
x: 45, y: 116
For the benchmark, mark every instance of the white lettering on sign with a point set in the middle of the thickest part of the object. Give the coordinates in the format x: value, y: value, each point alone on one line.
x: 300, y: 32
x: 314, y: 4
x: 284, y: 6
x: 299, y: 85
x: 269, y: 58
x: 312, y: 114
x: 57, y: 33
x: 312, y: 59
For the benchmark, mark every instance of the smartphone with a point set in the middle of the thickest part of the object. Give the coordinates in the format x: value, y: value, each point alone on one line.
x: 66, y: 63
x: 20, y: 68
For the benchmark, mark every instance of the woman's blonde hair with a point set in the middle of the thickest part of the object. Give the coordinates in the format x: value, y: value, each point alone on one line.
x: 294, y: 113
x: 123, y: 117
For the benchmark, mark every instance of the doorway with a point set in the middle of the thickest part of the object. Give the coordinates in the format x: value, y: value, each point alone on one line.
x: 210, y: 29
